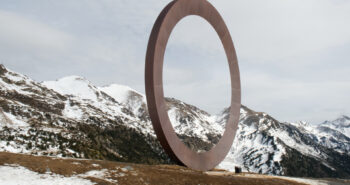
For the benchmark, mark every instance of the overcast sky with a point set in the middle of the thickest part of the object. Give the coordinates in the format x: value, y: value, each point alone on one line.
x: 294, y: 55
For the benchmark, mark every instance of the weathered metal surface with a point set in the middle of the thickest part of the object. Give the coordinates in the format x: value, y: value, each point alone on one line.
x: 165, y: 132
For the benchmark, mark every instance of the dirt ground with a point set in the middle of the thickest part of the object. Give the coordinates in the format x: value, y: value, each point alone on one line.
x: 135, y: 174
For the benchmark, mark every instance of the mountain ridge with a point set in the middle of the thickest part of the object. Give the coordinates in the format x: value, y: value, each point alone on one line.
x: 72, y: 117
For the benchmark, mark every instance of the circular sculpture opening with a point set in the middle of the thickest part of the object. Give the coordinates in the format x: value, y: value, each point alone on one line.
x: 161, y: 31
x: 196, y: 83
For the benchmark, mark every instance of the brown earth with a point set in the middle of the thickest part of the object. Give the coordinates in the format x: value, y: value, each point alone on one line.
x: 134, y: 174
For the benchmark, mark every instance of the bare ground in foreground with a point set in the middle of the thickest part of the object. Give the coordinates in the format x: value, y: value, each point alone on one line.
x: 134, y: 174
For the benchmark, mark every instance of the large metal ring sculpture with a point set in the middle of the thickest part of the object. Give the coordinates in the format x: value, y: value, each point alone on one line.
x: 166, y: 21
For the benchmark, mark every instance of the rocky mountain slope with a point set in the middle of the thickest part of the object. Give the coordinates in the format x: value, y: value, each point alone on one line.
x: 266, y: 145
x: 71, y: 117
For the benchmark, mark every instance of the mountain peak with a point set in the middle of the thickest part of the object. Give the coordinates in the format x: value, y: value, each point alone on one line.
x: 74, y: 78
x: 341, y: 124
x: 2, y: 69
x: 301, y: 123
x: 344, y: 117
x: 343, y: 121
x: 73, y: 85
x: 118, y: 92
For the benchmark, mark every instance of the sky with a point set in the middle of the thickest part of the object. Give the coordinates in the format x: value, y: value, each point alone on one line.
x: 294, y: 55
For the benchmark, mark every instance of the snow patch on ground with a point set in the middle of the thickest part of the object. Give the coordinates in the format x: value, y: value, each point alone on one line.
x: 306, y: 181
x: 100, y: 174
x: 14, y: 175
x: 228, y: 164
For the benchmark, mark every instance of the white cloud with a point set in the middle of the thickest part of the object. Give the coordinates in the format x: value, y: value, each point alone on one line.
x: 293, y: 54
x: 274, y: 29
x: 25, y: 35
x: 293, y: 100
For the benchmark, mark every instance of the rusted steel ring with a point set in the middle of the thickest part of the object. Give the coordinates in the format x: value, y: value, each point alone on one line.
x: 166, y: 21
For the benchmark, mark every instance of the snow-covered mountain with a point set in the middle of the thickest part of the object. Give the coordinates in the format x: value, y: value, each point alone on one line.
x: 72, y: 117
x: 342, y: 125
x: 266, y: 145
x: 188, y: 121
